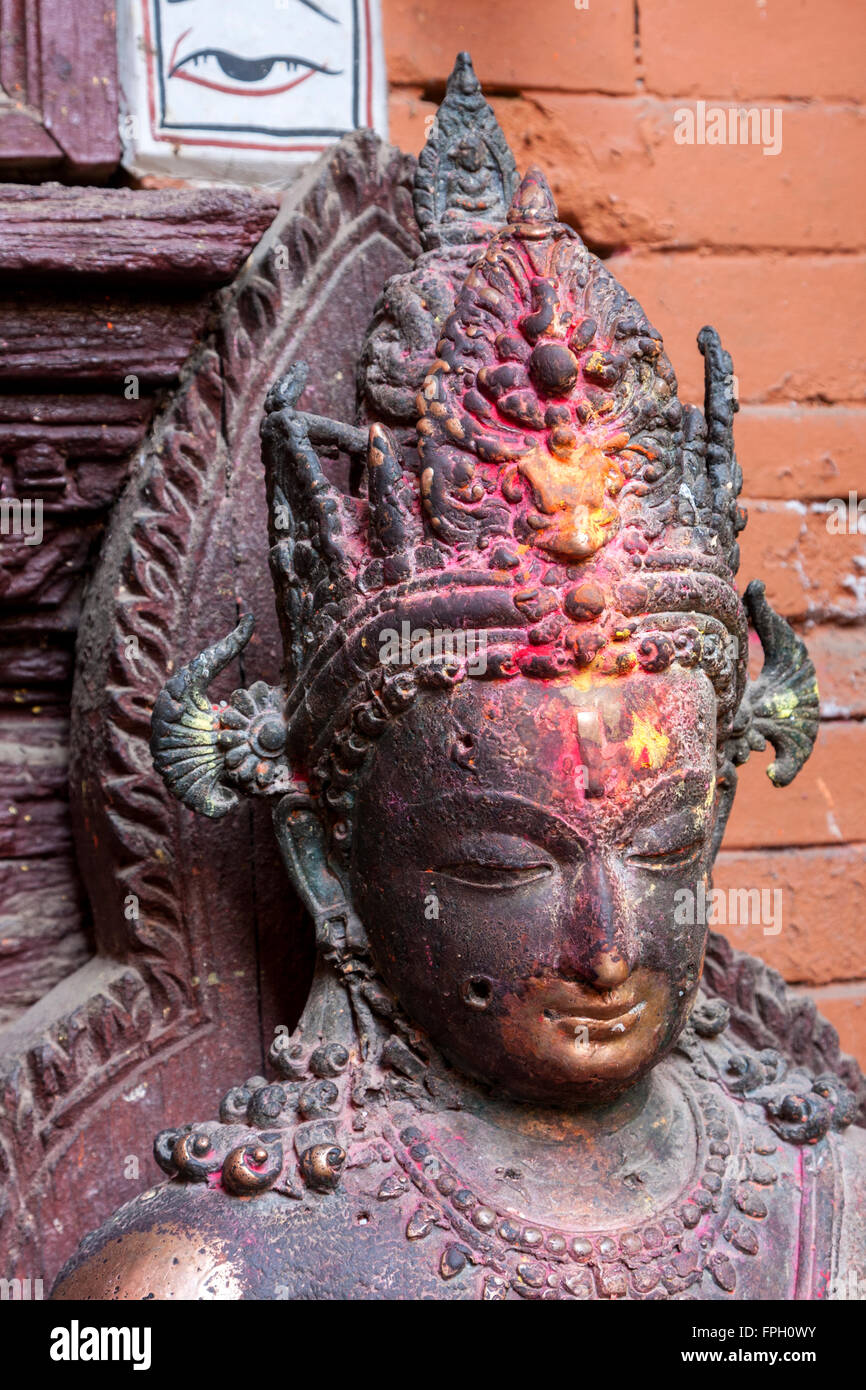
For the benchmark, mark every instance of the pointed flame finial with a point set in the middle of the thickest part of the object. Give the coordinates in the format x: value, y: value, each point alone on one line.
x: 463, y: 78
x: 533, y: 202
x: 466, y: 173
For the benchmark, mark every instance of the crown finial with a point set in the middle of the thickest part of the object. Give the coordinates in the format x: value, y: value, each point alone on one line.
x: 533, y: 202
x: 463, y: 79
x: 466, y: 173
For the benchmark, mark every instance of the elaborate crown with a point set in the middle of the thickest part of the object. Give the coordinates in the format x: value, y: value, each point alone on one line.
x: 526, y: 469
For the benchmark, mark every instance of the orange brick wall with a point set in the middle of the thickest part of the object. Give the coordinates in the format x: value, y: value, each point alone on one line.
x: 769, y: 249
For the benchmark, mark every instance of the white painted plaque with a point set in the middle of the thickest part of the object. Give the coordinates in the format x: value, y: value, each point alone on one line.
x: 241, y: 89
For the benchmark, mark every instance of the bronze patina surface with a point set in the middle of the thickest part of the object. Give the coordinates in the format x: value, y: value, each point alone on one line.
x: 502, y: 754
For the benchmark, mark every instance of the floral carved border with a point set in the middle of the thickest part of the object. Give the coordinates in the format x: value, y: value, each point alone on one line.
x: 169, y: 572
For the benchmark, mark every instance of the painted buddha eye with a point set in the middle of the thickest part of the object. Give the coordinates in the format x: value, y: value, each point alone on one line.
x: 205, y: 64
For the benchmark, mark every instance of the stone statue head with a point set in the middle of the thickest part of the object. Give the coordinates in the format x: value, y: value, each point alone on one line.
x: 504, y: 746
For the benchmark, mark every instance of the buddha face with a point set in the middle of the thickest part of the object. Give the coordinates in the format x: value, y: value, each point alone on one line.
x: 518, y: 851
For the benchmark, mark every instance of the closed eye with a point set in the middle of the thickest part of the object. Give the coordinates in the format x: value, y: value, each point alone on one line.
x: 680, y: 857
x: 495, y: 874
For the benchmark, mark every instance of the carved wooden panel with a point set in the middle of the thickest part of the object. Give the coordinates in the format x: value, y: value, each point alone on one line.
x: 81, y: 271
x: 58, y: 75
x: 197, y: 957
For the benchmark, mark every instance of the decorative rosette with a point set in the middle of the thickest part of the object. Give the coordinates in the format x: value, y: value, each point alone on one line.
x: 252, y: 736
x: 208, y: 753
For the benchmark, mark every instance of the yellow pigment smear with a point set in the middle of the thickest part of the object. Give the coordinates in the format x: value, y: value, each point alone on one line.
x: 784, y: 704
x: 648, y: 746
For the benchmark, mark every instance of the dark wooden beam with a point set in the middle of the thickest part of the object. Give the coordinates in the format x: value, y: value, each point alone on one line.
x: 194, y: 237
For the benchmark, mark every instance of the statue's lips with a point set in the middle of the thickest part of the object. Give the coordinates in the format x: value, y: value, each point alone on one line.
x: 592, y: 1028
x: 580, y: 1015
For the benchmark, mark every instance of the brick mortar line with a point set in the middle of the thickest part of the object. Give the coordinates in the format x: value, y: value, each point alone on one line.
x: 806, y: 403
x: 784, y: 503
x: 848, y: 989
x: 509, y: 93
x: 736, y: 249
x: 841, y: 718
x: 792, y: 849
x: 787, y: 849
x: 802, y: 103
x: 737, y: 252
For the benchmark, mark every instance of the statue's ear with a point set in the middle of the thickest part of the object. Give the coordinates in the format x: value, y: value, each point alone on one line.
x: 210, y: 755
x: 781, y: 707
x: 303, y: 840
x: 782, y: 704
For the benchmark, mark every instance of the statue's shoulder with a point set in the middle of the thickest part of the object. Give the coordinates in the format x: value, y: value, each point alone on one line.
x: 242, y: 1209
x: 191, y: 1241
x: 263, y: 1203
x: 176, y: 1241
x: 801, y: 1105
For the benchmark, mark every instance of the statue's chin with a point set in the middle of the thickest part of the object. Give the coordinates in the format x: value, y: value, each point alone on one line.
x: 598, y: 1082
x: 548, y: 1057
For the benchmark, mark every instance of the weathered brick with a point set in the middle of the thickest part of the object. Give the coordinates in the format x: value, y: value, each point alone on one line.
x: 839, y: 654
x: 548, y: 44
x: 809, y: 572
x: 792, y: 451
x: 824, y: 805
x: 805, y: 49
x: 621, y: 178
x: 821, y: 937
x: 407, y: 113
x: 845, y: 1007
x: 790, y: 322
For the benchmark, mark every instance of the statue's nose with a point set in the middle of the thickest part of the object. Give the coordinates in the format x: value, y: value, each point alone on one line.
x: 597, y: 942
x: 607, y: 969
